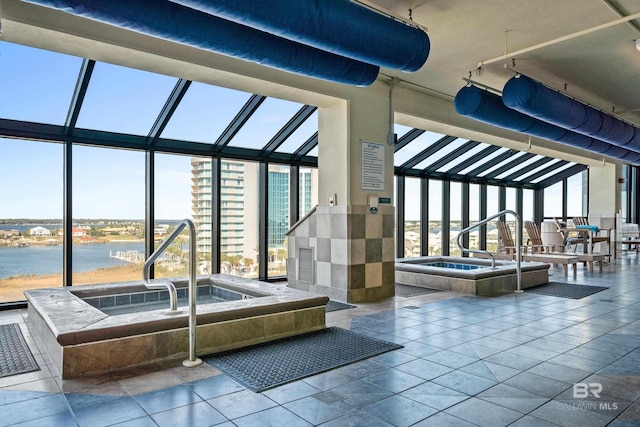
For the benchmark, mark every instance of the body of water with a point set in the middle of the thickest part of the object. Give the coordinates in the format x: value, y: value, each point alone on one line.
x: 48, y: 259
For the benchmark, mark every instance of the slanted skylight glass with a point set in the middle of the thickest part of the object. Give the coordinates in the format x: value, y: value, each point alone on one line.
x: 400, y: 130
x: 520, y: 166
x: 204, y: 113
x: 481, y: 162
x: 272, y: 115
x: 415, y: 147
x: 124, y: 100
x: 539, y: 168
x: 301, y: 135
x: 37, y: 85
x: 314, y: 152
x: 502, y: 163
x: 475, y: 150
x: 452, y: 146
x: 554, y: 172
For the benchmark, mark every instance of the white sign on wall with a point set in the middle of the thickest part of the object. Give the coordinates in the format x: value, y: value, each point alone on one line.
x: 373, y: 166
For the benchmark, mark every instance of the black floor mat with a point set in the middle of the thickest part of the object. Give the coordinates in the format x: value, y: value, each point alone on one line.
x: 15, y: 356
x: 565, y: 290
x: 337, y: 305
x: 268, y: 365
x: 407, y: 291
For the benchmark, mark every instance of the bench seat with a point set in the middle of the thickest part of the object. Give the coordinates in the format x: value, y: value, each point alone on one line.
x: 563, y: 259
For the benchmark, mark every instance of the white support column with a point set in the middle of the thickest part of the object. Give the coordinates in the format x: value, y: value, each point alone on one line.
x: 605, y: 200
x: 352, y: 241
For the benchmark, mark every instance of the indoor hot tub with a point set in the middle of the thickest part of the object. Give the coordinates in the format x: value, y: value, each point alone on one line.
x: 468, y: 275
x: 92, y: 329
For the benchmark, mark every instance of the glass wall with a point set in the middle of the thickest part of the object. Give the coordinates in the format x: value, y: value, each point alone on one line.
x: 455, y: 219
x: 492, y: 209
x: 553, y: 201
x: 307, y: 190
x: 577, y: 195
x: 474, y: 215
x: 412, y: 201
x: 239, y: 208
x: 30, y: 217
x: 435, y: 217
x: 126, y: 112
x: 108, y: 215
x: 278, y: 219
x: 183, y: 190
x: 510, y: 203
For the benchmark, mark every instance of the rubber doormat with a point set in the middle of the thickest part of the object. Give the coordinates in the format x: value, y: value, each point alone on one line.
x: 264, y: 366
x: 565, y: 290
x: 407, y: 291
x: 337, y: 305
x: 15, y: 356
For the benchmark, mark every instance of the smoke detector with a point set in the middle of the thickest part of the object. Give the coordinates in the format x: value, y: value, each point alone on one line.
x: 637, y: 44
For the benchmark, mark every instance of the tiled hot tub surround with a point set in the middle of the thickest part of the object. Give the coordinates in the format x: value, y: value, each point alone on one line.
x: 81, y: 340
x: 484, y: 280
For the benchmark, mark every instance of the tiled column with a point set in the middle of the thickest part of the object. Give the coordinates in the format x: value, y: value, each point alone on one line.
x: 353, y: 246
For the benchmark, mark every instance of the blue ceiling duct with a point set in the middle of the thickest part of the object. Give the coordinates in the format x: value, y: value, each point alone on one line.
x: 537, y: 100
x: 176, y: 23
x: 487, y: 107
x: 339, y: 26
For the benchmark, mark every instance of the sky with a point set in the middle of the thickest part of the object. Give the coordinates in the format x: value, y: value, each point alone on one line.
x: 109, y: 183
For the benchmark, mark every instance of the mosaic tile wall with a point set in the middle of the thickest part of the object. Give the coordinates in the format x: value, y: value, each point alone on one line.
x: 353, y: 253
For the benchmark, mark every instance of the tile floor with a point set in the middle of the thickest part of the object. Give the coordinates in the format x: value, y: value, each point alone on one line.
x: 496, y: 361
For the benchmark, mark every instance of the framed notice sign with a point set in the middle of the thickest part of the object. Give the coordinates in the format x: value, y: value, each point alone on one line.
x: 373, y: 166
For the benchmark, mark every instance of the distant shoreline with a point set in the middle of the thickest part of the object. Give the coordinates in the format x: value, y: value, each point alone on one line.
x: 12, y: 288
x: 6, y: 243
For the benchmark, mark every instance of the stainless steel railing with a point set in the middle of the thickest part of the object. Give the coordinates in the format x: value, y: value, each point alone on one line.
x: 489, y: 254
x: 193, y: 360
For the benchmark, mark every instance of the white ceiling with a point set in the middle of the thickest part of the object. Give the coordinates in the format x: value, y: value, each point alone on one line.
x: 601, y: 67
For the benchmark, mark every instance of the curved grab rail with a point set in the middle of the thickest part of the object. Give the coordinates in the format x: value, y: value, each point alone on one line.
x: 193, y: 360
x: 489, y: 254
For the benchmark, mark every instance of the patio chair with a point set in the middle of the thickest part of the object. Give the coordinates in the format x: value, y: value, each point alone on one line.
x: 507, y: 248
x: 535, y: 239
x: 571, y: 237
x: 581, y: 222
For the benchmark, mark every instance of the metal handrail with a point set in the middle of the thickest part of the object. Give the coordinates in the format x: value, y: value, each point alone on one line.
x: 489, y: 254
x: 193, y: 360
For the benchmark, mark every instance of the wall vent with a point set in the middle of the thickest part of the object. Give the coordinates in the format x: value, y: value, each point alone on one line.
x: 305, y: 265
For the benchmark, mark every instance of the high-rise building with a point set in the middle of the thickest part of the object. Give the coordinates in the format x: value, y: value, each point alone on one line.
x: 239, y: 205
x: 278, y: 206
